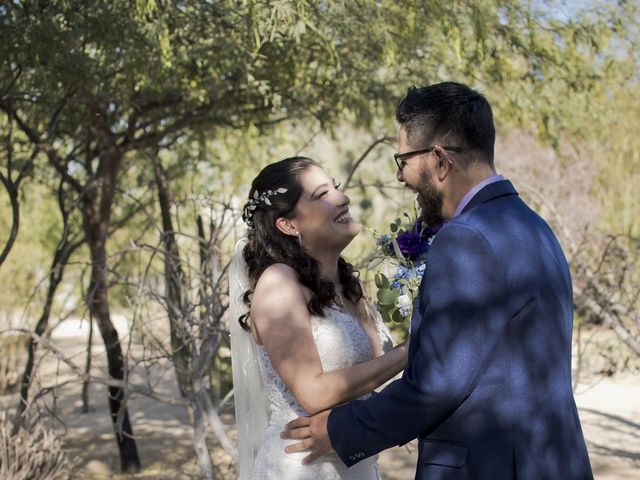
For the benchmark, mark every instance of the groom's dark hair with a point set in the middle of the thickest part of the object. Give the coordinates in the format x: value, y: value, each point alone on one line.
x: 448, y: 113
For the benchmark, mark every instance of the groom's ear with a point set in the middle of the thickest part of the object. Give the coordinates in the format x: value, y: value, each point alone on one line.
x: 286, y: 227
x: 443, y: 163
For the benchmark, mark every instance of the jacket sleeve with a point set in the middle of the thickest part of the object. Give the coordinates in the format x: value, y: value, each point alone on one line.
x: 463, y: 303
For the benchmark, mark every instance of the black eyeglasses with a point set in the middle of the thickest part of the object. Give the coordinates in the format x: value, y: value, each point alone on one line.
x: 401, y: 158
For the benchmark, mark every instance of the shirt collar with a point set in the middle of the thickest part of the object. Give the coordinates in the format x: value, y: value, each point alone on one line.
x: 471, y: 193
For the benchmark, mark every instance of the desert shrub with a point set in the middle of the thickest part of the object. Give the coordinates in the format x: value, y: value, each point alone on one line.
x: 13, y: 352
x: 34, y: 453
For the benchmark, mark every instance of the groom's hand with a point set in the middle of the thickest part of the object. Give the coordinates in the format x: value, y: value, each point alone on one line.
x: 313, y: 433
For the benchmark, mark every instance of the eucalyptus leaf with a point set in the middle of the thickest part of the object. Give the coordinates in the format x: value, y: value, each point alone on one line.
x: 397, y: 317
x: 381, y: 280
x: 387, y: 297
x: 374, y: 263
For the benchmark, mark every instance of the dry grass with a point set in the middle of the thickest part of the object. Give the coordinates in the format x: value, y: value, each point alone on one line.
x: 11, y: 361
x: 33, y: 453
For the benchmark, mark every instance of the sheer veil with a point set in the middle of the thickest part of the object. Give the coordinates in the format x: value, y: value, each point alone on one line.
x: 250, y: 398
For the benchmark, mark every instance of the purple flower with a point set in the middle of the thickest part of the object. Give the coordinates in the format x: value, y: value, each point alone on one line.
x: 416, y: 241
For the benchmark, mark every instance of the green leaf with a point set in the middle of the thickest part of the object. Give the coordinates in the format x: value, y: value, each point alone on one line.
x: 386, y: 316
x: 387, y: 297
x: 374, y: 263
x: 397, y: 317
x: 382, y: 281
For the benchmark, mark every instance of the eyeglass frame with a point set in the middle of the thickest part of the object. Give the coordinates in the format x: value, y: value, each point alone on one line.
x: 400, y: 158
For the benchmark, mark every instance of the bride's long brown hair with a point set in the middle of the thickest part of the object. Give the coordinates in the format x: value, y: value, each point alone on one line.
x: 267, y: 245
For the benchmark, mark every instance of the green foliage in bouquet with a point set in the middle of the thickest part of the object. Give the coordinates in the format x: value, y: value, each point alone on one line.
x: 401, y: 260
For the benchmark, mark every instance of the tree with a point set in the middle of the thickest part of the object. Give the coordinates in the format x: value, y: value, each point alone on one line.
x: 77, y: 82
x: 195, y: 325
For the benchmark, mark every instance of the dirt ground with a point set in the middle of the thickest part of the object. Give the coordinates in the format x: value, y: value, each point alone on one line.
x: 609, y: 409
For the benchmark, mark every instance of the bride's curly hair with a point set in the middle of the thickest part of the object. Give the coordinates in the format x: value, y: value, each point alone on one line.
x: 267, y: 245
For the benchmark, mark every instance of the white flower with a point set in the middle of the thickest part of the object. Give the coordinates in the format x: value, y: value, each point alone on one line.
x: 404, y: 304
x: 404, y: 301
x: 389, y: 267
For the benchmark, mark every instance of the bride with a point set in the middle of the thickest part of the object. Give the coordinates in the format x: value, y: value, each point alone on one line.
x: 303, y: 336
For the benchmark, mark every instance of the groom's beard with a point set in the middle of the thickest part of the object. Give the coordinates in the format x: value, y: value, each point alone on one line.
x: 430, y: 200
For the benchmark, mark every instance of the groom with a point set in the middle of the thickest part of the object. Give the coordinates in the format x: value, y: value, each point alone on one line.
x: 487, y: 389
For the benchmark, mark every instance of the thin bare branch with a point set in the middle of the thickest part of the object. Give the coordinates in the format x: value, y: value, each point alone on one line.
x: 365, y: 154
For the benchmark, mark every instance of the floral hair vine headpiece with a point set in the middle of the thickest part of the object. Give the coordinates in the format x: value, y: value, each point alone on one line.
x: 251, y: 205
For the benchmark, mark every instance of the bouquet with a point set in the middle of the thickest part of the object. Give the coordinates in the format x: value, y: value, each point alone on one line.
x: 401, y: 260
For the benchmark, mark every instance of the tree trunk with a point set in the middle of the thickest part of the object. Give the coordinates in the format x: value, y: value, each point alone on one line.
x: 12, y: 186
x: 200, y: 439
x: 216, y: 424
x: 55, y: 276
x: 185, y: 355
x: 99, y: 310
x: 206, y: 274
x: 63, y: 252
x: 86, y: 407
x: 97, y: 200
x: 175, y: 287
x: 15, y: 211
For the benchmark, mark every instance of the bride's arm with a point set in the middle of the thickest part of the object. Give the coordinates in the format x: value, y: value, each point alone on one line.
x: 283, y: 325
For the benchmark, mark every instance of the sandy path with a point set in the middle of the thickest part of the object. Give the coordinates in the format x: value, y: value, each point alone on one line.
x: 610, y: 416
x: 609, y: 410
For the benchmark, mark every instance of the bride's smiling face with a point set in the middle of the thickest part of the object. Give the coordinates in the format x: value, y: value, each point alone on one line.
x: 322, y: 213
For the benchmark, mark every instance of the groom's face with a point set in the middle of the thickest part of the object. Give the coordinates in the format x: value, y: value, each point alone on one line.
x: 417, y: 176
x: 430, y: 199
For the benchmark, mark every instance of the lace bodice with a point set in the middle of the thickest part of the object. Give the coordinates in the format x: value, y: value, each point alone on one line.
x: 341, y: 342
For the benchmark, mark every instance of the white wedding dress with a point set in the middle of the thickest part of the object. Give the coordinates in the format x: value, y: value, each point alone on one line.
x: 341, y: 342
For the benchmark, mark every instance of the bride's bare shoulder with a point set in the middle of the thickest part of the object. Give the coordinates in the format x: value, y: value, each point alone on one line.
x: 278, y: 288
x: 277, y: 272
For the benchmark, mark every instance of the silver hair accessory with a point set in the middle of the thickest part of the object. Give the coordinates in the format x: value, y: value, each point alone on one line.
x: 251, y: 205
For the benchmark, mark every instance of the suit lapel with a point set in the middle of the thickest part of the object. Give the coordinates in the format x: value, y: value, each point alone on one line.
x: 490, y: 192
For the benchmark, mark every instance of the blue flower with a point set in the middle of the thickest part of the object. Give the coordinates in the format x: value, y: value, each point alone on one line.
x: 383, y: 240
x: 400, y: 271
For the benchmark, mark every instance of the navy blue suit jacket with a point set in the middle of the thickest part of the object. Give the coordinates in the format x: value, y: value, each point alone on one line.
x: 487, y: 389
